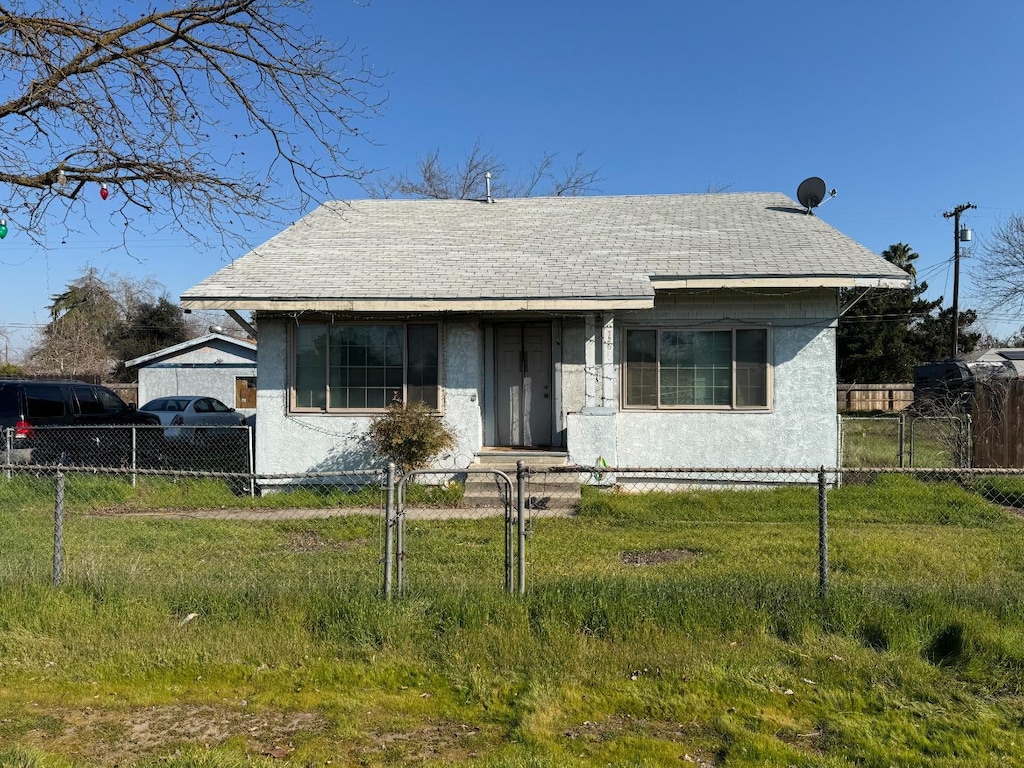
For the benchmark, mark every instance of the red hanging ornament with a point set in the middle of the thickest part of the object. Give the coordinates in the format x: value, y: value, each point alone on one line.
x: 104, y: 192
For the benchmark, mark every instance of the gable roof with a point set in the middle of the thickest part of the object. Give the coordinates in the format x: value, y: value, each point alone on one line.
x: 538, y: 253
x: 243, y: 345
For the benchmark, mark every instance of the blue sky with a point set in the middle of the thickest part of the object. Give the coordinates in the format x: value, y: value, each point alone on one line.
x: 907, y: 108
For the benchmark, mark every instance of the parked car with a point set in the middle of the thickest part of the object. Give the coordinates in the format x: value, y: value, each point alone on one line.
x: 193, y: 418
x: 71, y: 422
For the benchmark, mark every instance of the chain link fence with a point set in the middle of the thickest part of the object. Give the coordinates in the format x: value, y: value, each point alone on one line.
x: 906, y: 440
x: 189, y: 536
x: 130, y: 447
x: 186, y: 534
x: 818, y: 526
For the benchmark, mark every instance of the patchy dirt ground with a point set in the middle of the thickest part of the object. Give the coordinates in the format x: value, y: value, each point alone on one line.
x: 658, y: 556
x: 111, y: 737
x: 311, y: 541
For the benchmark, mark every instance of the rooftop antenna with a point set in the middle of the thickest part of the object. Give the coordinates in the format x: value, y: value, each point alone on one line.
x: 812, y: 192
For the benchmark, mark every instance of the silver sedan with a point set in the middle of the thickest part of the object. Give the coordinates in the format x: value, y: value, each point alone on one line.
x: 190, y: 417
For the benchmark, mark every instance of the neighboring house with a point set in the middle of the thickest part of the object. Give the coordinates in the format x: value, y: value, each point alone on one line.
x: 214, y: 365
x: 673, y: 331
x: 1001, y: 362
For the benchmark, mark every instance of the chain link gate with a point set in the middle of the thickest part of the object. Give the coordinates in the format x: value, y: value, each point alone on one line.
x: 474, y: 493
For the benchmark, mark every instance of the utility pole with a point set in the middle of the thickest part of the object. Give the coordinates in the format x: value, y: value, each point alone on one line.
x: 957, y: 236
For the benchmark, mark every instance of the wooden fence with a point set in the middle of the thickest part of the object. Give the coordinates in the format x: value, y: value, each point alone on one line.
x: 998, y: 424
x: 127, y: 392
x: 874, y: 397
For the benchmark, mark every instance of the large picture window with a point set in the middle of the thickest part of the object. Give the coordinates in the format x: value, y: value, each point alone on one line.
x: 353, y: 367
x: 684, y: 368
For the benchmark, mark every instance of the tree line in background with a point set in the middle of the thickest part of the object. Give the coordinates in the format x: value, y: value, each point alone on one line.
x: 100, y: 322
x: 886, y: 332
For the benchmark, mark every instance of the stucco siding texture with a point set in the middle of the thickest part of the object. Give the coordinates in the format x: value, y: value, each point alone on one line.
x: 800, y: 428
x: 800, y: 431
x: 212, y: 382
x: 550, y: 248
x: 208, y: 369
x: 317, y: 442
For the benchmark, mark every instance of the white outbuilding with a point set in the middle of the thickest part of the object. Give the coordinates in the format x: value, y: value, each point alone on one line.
x: 215, y: 365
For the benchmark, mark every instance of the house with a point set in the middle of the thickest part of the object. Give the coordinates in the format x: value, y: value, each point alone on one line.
x: 668, y: 330
x: 215, y: 365
x: 999, y: 362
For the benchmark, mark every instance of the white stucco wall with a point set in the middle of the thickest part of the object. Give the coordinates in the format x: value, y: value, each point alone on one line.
x: 296, y: 443
x: 800, y: 429
x: 208, y: 370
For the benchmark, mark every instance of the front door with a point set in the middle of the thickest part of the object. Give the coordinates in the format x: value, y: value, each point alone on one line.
x: 522, y: 353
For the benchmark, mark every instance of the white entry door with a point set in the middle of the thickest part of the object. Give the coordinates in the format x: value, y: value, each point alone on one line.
x: 522, y: 353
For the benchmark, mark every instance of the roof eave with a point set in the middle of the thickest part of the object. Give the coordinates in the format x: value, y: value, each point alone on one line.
x: 593, y: 303
x: 174, y: 349
x: 780, y: 281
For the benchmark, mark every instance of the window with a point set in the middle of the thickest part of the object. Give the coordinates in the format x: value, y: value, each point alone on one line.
x: 351, y: 367
x: 97, y: 401
x: 683, y: 368
x: 44, y: 401
x: 245, y: 392
x: 88, y: 403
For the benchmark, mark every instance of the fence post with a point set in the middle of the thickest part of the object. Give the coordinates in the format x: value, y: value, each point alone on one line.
x: 8, y: 438
x: 902, y: 438
x: 822, y: 534
x: 506, y: 492
x: 135, y: 456
x: 389, y: 525
x: 521, y: 524
x: 250, y: 443
x: 58, y: 530
x: 839, y: 436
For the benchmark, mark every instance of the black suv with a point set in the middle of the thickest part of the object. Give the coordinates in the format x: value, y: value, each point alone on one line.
x: 71, y: 422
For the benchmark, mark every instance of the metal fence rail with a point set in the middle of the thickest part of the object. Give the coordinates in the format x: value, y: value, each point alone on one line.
x: 132, y: 447
x: 906, y: 440
x: 376, y: 531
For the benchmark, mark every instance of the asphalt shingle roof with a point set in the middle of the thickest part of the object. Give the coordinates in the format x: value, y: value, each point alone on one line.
x: 536, y: 251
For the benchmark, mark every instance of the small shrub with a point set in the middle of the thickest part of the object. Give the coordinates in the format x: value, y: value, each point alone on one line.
x: 409, y: 434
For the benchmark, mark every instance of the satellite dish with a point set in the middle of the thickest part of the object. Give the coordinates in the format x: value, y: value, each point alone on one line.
x: 811, y: 192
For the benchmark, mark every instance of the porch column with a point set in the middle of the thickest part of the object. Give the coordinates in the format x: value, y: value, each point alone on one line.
x: 609, y: 380
x: 590, y: 371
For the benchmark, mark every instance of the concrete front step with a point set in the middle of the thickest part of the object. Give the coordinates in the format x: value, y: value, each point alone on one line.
x: 506, y: 459
x: 554, y: 492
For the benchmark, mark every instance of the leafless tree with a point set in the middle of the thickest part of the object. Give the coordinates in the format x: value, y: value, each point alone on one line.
x: 80, y: 338
x: 998, y: 269
x: 75, y: 347
x: 466, y: 180
x: 161, y: 101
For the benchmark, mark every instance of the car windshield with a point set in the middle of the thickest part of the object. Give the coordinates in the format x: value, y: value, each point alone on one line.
x: 166, y: 404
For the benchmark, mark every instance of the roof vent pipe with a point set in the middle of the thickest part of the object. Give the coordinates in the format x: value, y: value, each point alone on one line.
x: 487, y: 180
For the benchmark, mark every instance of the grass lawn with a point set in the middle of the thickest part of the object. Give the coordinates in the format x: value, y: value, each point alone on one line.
x: 874, y: 441
x: 658, y: 629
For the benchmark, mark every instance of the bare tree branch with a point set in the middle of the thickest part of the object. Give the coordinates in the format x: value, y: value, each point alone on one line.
x: 142, y: 100
x: 999, y: 268
x: 437, y: 180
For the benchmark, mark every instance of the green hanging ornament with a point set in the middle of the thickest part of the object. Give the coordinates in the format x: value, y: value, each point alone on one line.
x: 3, y: 228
